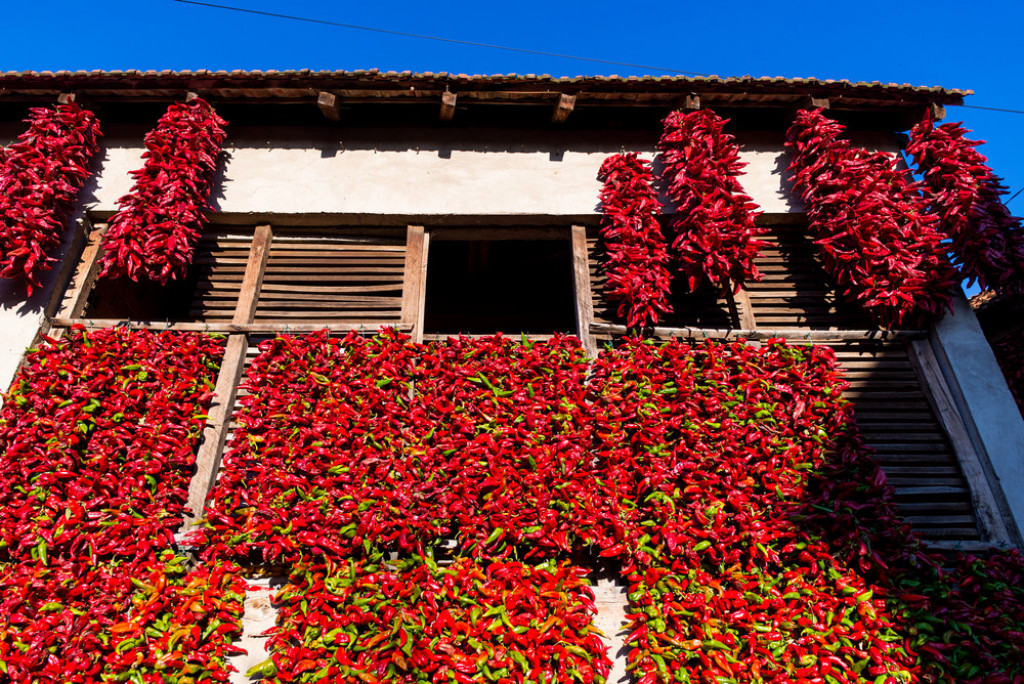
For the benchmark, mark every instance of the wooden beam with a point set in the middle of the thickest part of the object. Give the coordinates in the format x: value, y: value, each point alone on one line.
x: 448, y: 99
x: 581, y: 289
x: 563, y: 108
x: 937, y: 111
x: 794, y: 335
x: 68, y: 265
x: 85, y: 275
x: 328, y: 104
x: 933, y: 383
x: 252, y: 281
x: 819, y: 102
x: 262, y: 328
x: 214, y: 435
x: 414, y: 281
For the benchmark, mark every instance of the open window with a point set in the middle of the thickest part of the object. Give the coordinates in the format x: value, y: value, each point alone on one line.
x: 482, y: 281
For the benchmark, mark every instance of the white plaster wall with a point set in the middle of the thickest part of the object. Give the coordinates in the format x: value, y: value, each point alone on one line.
x: 427, y: 171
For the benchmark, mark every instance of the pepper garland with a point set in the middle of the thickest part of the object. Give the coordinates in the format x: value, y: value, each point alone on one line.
x: 986, y: 241
x: 154, y: 232
x: 637, y: 269
x: 716, y: 234
x: 41, y: 174
x: 875, y: 236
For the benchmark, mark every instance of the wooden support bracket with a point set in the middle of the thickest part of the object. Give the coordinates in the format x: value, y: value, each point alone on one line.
x: 328, y: 104
x: 563, y: 108
x: 65, y: 98
x: 448, y: 99
x: 937, y: 111
x: 818, y: 102
x: 691, y: 102
x: 191, y: 95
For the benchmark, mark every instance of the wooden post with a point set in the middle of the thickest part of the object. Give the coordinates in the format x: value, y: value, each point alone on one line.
x: 215, y: 433
x: 563, y: 108
x: 448, y: 99
x: 745, y: 311
x: 252, y: 281
x: 85, y: 274
x: 210, y: 452
x: 925, y: 363
x: 414, y: 280
x: 581, y: 287
x: 328, y: 104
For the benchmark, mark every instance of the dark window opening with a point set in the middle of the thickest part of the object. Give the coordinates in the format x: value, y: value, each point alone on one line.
x: 508, y: 286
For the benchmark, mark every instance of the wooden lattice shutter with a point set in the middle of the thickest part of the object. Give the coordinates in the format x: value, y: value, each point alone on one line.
x: 320, y: 277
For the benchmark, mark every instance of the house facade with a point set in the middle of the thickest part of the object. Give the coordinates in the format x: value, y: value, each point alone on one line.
x: 441, y: 204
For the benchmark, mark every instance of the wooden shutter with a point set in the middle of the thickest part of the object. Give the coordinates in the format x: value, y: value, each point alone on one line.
x: 319, y: 277
x: 795, y: 292
x: 896, y: 420
x: 217, y: 271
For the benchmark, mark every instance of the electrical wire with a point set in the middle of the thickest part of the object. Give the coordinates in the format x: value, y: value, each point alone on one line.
x: 992, y: 109
x: 436, y: 38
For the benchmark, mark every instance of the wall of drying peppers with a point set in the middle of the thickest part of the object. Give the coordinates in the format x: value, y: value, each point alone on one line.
x: 98, y: 436
x: 725, y: 483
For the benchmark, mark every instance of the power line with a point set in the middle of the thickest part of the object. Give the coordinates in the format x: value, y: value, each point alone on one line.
x: 436, y: 38
x: 1014, y: 197
x: 991, y: 109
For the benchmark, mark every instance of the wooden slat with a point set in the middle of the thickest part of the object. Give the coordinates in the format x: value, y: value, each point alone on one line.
x: 581, y: 290
x: 226, y: 326
x: 794, y: 335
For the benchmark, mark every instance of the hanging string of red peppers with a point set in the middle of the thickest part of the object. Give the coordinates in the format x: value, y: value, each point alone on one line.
x: 874, y: 235
x: 715, y: 222
x: 986, y: 241
x: 716, y: 235
x: 637, y: 267
x: 153, y: 234
x: 41, y: 174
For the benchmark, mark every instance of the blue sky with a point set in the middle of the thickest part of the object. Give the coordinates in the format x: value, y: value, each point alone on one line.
x: 953, y: 44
